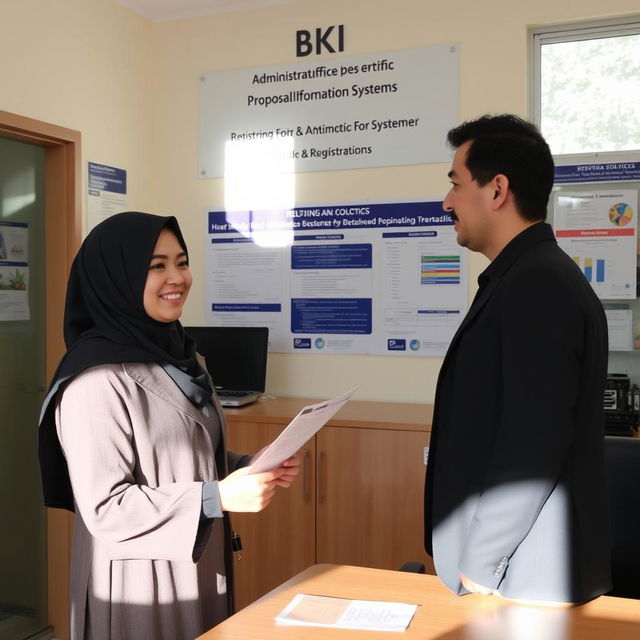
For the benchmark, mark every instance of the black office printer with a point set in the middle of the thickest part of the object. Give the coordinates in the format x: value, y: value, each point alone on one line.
x: 621, y: 406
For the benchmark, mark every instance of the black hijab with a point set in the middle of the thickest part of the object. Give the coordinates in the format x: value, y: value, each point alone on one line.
x: 105, y: 322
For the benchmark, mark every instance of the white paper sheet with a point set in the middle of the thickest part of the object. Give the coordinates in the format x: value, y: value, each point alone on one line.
x: 339, y: 613
x: 619, y: 323
x: 307, y: 423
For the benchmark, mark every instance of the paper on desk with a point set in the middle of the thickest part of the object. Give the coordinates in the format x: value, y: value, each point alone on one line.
x: 309, y: 421
x: 339, y: 613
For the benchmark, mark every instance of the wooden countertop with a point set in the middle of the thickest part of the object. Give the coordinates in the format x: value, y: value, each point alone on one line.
x: 356, y: 413
x: 441, y: 615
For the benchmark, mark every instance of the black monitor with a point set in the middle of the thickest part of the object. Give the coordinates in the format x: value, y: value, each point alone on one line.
x: 236, y: 357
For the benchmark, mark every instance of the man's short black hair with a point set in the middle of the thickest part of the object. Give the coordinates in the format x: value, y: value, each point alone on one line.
x: 511, y: 146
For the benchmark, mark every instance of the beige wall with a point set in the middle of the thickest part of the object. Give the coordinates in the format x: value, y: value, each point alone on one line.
x: 86, y: 65
x: 493, y: 71
x: 130, y: 86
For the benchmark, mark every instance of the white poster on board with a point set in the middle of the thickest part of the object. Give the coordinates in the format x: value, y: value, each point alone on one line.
x: 598, y: 230
x: 14, y: 271
x: 370, y: 110
x: 620, y: 329
x: 366, y: 278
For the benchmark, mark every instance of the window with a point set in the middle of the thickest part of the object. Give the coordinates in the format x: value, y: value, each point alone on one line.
x: 586, y: 86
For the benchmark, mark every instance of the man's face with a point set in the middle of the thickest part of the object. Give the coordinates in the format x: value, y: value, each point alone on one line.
x: 467, y: 203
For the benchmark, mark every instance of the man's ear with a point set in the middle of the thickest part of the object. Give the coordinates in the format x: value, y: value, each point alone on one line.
x: 500, y: 186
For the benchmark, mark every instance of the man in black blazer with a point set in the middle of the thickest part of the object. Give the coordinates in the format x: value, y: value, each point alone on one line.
x: 514, y: 498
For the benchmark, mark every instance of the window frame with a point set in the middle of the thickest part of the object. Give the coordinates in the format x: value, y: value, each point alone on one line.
x: 573, y: 32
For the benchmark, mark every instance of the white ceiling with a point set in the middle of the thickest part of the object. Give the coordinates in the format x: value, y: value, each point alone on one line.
x: 162, y: 10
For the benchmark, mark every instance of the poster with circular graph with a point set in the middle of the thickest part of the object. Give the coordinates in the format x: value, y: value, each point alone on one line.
x: 598, y: 230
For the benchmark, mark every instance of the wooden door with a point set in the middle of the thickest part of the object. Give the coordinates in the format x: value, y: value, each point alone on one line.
x: 370, y: 497
x: 62, y: 212
x: 278, y: 542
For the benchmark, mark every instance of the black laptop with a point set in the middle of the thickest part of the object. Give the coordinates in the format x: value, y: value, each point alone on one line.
x: 236, y: 359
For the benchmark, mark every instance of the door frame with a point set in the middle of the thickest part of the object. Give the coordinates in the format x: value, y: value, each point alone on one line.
x: 63, y: 231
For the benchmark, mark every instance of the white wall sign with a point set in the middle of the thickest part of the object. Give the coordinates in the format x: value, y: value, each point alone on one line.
x: 368, y: 110
x: 366, y: 278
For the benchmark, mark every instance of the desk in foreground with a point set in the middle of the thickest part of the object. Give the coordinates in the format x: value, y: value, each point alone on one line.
x: 441, y: 615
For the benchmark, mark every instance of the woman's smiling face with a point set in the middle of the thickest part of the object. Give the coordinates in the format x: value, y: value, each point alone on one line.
x: 168, y: 280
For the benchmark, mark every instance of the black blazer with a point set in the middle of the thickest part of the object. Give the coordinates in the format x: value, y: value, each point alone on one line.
x: 514, y: 495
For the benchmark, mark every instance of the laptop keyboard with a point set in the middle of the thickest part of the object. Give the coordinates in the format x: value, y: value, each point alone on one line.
x: 233, y: 394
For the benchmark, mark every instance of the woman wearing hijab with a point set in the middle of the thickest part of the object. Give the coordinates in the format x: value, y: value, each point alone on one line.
x: 132, y: 438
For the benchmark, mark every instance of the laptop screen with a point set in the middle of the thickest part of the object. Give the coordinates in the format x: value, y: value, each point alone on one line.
x: 236, y: 356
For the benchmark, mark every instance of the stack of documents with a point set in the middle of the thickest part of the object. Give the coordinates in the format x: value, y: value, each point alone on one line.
x: 340, y: 613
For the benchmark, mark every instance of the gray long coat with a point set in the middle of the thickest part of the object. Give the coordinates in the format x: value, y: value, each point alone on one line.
x: 143, y: 563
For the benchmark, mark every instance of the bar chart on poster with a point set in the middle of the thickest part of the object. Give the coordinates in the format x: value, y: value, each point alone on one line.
x: 587, y: 265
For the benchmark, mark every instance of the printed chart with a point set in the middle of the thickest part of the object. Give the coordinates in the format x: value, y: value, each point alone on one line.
x: 598, y: 229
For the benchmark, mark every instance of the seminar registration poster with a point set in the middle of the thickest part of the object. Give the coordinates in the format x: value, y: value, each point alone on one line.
x: 359, y: 278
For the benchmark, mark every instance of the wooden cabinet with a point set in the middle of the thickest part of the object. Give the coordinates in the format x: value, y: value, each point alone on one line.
x: 358, y: 499
x: 370, y: 497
